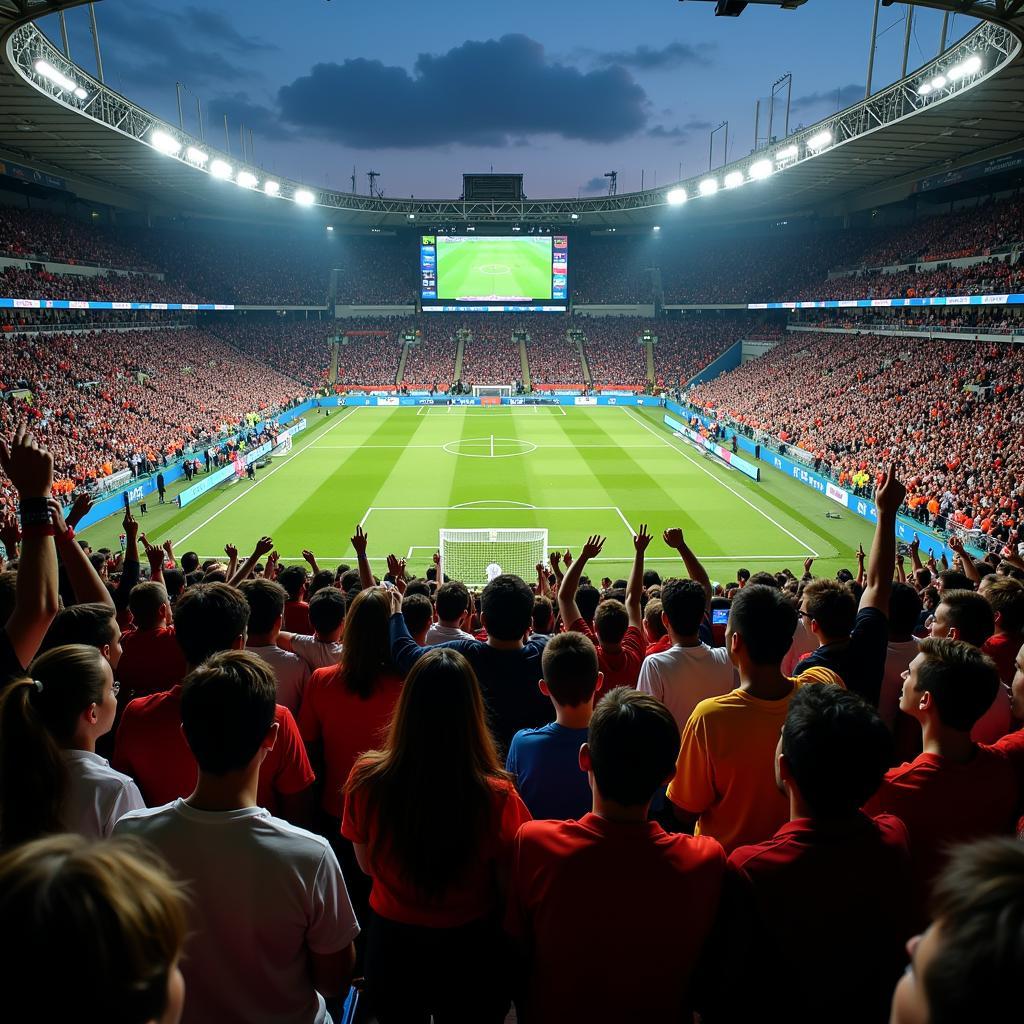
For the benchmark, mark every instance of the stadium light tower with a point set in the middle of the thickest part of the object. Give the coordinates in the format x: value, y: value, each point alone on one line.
x: 734, y: 8
x: 613, y: 182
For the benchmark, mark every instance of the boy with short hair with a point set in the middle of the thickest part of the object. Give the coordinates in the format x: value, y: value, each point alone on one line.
x: 452, y: 603
x: 151, y: 658
x: 633, y: 928
x: 267, y: 601
x: 272, y: 928
x: 545, y: 761
x: 327, y: 617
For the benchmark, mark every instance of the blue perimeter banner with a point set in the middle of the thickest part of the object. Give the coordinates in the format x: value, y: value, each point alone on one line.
x: 1014, y: 299
x: 708, y: 445
x: 8, y: 303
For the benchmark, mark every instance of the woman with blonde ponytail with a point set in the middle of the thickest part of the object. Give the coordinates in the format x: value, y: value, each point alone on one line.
x: 51, y: 778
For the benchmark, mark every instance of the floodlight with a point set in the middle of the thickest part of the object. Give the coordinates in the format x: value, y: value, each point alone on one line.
x: 81, y: 93
x: 657, y: 227
x: 304, y: 197
x: 761, y: 169
x: 574, y: 216
x: 708, y: 187
x: 787, y: 153
x: 819, y: 141
x: 51, y: 74
x: 412, y: 216
x: 246, y: 179
x: 196, y: 156
x: 938, y: 81
x: 221, y: 169
x: 330, y: 227
x: 734, y: 179
x: 271, y: 188
x: 925, y: 89
x: 970, y: 66
x: 675, y: 196
x: 164, y: 143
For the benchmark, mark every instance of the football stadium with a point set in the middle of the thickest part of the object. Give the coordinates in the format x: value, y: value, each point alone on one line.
x: 561, y: 601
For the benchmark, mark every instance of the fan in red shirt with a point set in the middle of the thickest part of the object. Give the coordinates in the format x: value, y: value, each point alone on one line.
x: 150, y: 745
x: 1012, y: 744
x: 618, y: 628
x: 956, y: 790
x: 151, y: 658
x: 296, y: 610
x: 655, y: 632
x: 570, y: 937
x: 831, y: 882
x: 432, y: 817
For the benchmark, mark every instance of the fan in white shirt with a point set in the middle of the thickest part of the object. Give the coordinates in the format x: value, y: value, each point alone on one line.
x: 452, y: 604
x: 266, y: 613
x: 53, y: 779
x: 271, y: 928
x: 327, y: 616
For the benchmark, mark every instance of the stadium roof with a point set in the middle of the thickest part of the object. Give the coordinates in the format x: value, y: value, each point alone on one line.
x: 874, y: 153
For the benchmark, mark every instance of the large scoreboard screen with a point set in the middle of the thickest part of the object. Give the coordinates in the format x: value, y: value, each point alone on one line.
x: 500, y: 273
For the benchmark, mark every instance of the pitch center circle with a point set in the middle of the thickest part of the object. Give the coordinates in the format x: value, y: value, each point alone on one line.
x: 489, y: 447
x: 493, y: 269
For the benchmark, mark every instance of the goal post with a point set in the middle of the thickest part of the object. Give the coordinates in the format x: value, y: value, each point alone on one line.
x: 476, y: 556
x: 492, y: 390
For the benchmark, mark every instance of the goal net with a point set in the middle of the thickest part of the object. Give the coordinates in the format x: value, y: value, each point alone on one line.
x: 492, y: 390
x: 476, y: 556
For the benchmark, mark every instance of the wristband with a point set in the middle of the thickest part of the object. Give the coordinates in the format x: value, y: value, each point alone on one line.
x: 65, y: 538
x: 34, y: 512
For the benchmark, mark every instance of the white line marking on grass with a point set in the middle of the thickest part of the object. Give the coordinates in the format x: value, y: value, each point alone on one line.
x: 483, y: 441
x: 632, y: 532
x: 494, y: 501
x: 703, y: 469
x: 492, y: 446
x: 265, y: 477
x: 491, y: 508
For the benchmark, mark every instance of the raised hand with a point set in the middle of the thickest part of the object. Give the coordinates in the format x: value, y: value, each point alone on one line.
x: 555, y: 558
x: 956, y: 544
x: 81, y: 506
x: 29, y: 467
x: 358, y: 541
x: 396, y: 569
x: 592, y: 548
x: 10, y: 533
x: 568, y: 558
x: 889, y: 497
x: 309, y: 556
x: 130, y: 526
x: 168, y: 546
x: 673, y: 538
x: 808, y: 562
x: 229, y: 549
x: 860, y: 553
x: 915, y: 545
x: 643, y: 539
x: 60, y: 527
x: 263, y: 546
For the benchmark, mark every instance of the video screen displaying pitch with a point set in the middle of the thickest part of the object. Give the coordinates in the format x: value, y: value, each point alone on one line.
x: 503, y: 270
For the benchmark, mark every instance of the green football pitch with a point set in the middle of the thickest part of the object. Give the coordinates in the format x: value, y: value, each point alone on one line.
x: 479, y: 268
x: 405, y: 474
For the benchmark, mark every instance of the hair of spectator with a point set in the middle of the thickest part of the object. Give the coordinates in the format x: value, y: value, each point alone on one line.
x: 452, y: 601
x: 832, y: 605
x: 587, y: 600
x: 228, y: 705
x: 963, y: 682
x: 953, y: 579
x: 327, y: 610
x: 208, y: 618
x: 651, y: 578
x: 837, y: 749
x: 91, y: 624
x: 145, y: 602
x: 323, y: 578
x: 569, y: 667
x: 611, y: 620
x: 978, y: 905
x: 266, y: 603
x: 543, y: 615
x: 634, y: 742
x: 366, y: 644
x: 106, y: 912
x: 174, y: 581
x: 684, y: 603
x: 189, y: 562
x: 766, y: 620
x: 764, y: 579
x: 293, y: 578
x: 507, y: 607
x: 904, y: 609
x: 652, y: 618
x: 417, y: 612
x: 1006, y: 596
x: 439, y: 748
x: 35, y: 725
x: 971, y: 615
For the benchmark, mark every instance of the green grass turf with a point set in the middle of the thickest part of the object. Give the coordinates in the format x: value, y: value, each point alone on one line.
x: 593, y: 471
x: 485, y: 268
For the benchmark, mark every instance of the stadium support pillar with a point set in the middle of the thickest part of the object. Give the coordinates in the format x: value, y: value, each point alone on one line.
x: 96, y: 42
x: 871, y: 49
x: 945, y: 33
x: 524, y: 363
x: 906, y: 40
x: 64, y: 36
x: 401, y: 365
x: 649, y: 356
x: 460, y: 354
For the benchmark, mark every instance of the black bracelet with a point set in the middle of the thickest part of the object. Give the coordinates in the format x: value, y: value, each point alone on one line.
x: 34, y: 512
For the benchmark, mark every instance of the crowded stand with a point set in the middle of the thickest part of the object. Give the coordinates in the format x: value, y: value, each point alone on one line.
x: 108, y: 400
x: 110, y: 287
x: 615, y: 353
x: 952, y: 411
x: 684, y: 347
x: 553, y: 358
x: 296, y: 348
x: 491, y: 354
x: 208, y: 814
x: 430, y: 360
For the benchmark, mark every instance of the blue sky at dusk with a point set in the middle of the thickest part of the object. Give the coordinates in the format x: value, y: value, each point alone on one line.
x: 422, y: 92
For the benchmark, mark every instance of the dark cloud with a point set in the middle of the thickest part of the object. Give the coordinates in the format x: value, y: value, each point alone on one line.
x: 156, y: 47
x: 479, y: 93
x: 241, y: 111
x: 666, y: 58
x: 844, y: 96
x: 678, y: 134
x: 595, y: 185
